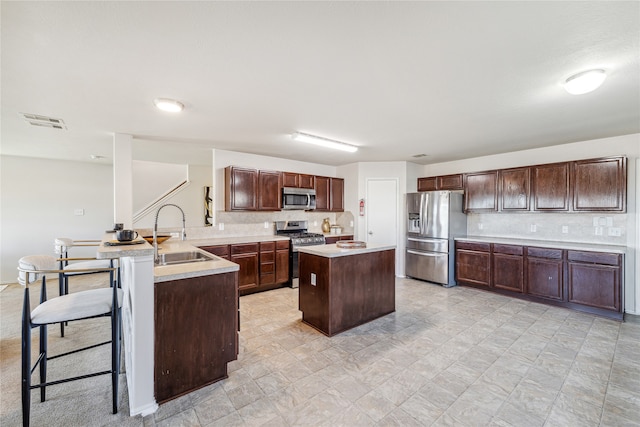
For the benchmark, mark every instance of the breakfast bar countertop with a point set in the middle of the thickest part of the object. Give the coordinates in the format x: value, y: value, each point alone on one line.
x: 332, y: 250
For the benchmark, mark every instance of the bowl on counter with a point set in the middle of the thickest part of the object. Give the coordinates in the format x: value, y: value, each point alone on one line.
x: 159, y: 238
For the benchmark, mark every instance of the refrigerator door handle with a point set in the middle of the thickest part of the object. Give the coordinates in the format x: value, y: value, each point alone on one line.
x: 423, y: 217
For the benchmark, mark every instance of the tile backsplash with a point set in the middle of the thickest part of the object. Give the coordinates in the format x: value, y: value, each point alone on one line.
x: 600, y: 228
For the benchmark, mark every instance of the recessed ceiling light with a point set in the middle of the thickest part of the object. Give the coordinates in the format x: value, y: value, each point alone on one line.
x: 323, y: 142
x: 170, y: 105
x: 585, y: 82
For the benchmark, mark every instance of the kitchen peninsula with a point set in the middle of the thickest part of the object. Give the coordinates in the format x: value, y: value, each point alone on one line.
x: 166, y: 313
x: 342, y: 288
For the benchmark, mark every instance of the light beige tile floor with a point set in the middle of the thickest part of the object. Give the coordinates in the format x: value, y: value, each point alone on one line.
x: 446, y: 357
x: 456, y: 356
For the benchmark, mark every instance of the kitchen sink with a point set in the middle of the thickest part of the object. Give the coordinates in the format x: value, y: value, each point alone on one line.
x: 184, y: 257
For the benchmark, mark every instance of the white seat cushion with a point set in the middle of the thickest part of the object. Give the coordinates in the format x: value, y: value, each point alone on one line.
x: 98, y: 263
x: 75, y: 306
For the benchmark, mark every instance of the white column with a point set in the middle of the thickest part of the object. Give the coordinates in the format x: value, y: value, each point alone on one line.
x: 123, y: 179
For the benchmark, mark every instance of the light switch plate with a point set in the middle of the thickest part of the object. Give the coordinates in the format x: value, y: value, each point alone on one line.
x: 78, y: 212
x: 565, y: 229
x: 220, y: 226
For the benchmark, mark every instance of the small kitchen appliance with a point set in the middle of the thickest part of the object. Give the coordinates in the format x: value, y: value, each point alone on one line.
x: 298, y: 198
x: 299, y: 236
x: 434, y: 218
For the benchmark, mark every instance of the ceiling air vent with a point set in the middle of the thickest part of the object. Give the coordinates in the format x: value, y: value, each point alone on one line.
x: 43, y: 121
x: 417, y: 156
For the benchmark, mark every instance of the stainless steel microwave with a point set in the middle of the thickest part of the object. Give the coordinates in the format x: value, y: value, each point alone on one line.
x: 298, y: 198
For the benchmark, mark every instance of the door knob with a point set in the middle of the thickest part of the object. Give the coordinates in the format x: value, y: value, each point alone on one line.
x: 371, y: 232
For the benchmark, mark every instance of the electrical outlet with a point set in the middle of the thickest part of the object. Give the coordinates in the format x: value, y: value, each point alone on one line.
x: 598, y: 231
x: 313, y: 279
x: 220, y: 226
x: 266, y: 224
x: 615, y: 231
x: 350, y: 223
x: 78, y: 212
x: 480, y: 226
x: 533, y: 228
x: 315, y: 223
x: 609, y: 220
x: 565, y: 229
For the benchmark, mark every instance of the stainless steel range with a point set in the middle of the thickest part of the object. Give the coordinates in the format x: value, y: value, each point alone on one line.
x: 297, y: 232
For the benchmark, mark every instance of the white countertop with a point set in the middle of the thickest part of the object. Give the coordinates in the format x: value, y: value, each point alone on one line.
x: 332, y: 251
x: 591, y: 247
x: 233, y: 240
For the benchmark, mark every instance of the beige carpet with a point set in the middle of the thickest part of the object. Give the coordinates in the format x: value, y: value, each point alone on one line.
x: 78, y: 403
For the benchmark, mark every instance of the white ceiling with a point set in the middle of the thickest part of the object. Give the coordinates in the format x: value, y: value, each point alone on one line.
x: 449, y: 79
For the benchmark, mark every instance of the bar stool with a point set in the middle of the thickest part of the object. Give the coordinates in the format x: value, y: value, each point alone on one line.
x: 78, y: 266
x: 103, y: 302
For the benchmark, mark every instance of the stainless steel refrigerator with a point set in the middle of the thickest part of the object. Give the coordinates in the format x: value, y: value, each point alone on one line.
x: 434, y: 219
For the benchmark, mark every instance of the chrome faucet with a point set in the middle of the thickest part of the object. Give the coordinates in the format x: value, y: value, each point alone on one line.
x: 183, y: 234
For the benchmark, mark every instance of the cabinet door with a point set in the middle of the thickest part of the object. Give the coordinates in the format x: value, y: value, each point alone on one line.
x: 306, y: 181
x: 337, y: 194
x: 473, y: 266
x: 269, y: 190
x: 290, y: 179
x: 508, y: 272
x: 322, y: 193
x: 428, y: 184
x: 551, y: 187
x: 594, y: 279
x: 545, y: 273
x: 515, y: 189
x: 246, y: 256
x: 241, y: 189
x: 481, y: 191
x: 450, y: 182
x: 282, y: 261
x: 600, y: 184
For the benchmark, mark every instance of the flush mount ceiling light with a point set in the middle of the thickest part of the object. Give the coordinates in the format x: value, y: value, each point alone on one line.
x: 323, y: 142
x: 585, y: 82
x: 169, y: 105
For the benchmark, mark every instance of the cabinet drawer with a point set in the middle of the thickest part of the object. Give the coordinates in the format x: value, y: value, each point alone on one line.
x: 244, y: 248
x: 267, y: 257
x: 474, y: 246
x: 282, y: 244
x: 594, y: 257
x: 267, y: 246
x: 507, y: 249
x: 544, y: 253
x: 221, y: 251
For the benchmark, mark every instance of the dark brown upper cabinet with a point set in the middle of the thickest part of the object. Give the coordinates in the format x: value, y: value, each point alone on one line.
x: 600, y: 184
x: 481, y: 191
x: 241, y: 189
x: 515, y: 189
x: 551, y: 189
x: 443, y: 182
x: 329, y: 194
x: 269, y: 190
x: 297, y: 180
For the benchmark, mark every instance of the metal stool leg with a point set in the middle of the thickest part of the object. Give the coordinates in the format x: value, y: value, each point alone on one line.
x: 26, y: 359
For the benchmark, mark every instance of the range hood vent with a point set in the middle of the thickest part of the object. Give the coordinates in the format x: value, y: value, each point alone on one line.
x: 43, y: 121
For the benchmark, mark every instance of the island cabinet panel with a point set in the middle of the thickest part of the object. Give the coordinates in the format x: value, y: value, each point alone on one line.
x: 594, y: 279
x: 508, y: 267
x: 241, y: 188
x: 545, y: 277
x: 481, y: 191
x: 600, y: 184
x: 195, y: 329
x: 551, y: 187
x: 246, y: 256
x: 348, y: 290
x: 473, y: 263
x: 515, y: 189
x: 269, y: 190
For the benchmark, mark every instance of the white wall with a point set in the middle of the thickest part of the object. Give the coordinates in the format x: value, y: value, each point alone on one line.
x: 516, y: 225
x: 37, y: 202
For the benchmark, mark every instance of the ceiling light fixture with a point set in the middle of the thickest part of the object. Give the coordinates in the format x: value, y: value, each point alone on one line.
x: 323, y: 142
x: 585, y: 82
x: 169, y: 105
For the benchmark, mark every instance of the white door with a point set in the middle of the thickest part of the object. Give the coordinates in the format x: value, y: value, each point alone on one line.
x: 381, y: 211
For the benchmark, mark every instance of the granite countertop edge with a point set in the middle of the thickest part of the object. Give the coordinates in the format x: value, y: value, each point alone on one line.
x: 581, y: 246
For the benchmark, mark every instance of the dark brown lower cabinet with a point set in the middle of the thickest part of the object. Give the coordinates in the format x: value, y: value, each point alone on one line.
x: 508, y: 267
x: 594, y: 279
x: 246, y: 256
x: 544, y: 273
x: 580, y: 280
x: 196, y: 333
x: 473, y: 263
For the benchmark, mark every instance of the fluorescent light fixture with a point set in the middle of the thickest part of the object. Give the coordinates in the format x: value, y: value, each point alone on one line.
x: 169, y: 105
x: 585, y: 82
x: 323, y: 142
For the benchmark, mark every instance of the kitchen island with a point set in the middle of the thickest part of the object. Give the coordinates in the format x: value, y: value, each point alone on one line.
x: 343, y: 288
x: 162, y: 302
